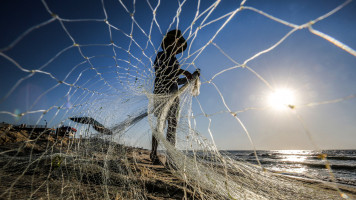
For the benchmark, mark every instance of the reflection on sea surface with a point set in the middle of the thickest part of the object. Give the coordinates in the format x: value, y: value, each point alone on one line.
x: 300, y: 169
x: 305, y: 163
x: 293, y: 152
x: 294, y: 158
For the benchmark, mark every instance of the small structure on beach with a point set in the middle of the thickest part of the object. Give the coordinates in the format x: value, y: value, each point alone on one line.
x: 66, y: 131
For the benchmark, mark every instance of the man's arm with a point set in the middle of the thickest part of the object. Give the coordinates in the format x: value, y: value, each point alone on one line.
x: 189, y: 76
x: 185, y: 73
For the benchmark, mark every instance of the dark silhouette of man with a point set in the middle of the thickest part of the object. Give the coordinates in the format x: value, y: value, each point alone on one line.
x: 168, y: 71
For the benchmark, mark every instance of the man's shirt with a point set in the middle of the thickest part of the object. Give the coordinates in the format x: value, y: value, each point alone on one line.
x: 167, y: 73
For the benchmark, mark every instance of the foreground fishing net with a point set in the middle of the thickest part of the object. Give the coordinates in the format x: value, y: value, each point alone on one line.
x: 91, y: 79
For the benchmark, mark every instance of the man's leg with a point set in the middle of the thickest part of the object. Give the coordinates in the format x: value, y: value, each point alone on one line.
x: 154, y: 154
x: 173, y: 122
x: 171, y: 130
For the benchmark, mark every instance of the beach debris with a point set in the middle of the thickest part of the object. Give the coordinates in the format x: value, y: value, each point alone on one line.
x: 95, y: 124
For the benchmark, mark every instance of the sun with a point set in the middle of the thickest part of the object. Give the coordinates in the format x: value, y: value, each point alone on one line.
x: 282, y: 98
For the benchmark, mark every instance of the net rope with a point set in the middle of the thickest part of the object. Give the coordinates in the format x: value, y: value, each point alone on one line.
x: 114, y: 89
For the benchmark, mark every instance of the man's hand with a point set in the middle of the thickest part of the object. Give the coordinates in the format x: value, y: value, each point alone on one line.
x: 196, y: 73
x: 188, y: 75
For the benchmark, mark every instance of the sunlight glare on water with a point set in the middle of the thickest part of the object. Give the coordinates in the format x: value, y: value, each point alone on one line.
x: 295, y: 158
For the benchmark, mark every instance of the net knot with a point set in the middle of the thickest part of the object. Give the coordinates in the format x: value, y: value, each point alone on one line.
x: 54, y: 15
x: 311, y: 23
x: 76, y: 44
x: 322, y: 156
x: 343, y: 195
x: 291, y: 106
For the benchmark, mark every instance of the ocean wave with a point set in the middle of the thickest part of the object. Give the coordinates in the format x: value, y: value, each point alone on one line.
x: 308, y: 164
x: 341, y: 158
x: 319, y: 166
x: 306, y: 156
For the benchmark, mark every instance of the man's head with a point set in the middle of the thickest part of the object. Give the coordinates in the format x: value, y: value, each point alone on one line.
x: 174, y: 42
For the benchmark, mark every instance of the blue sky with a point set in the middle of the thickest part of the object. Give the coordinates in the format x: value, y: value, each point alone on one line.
x: 313, y: 68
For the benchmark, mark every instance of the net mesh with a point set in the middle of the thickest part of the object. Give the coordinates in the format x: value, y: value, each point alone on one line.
x: 92, y: 79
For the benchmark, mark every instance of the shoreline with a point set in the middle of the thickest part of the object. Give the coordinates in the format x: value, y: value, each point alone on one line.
x: 350, y: 189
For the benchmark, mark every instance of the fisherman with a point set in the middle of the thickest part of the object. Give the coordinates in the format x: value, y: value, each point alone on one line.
x: 168, y: 71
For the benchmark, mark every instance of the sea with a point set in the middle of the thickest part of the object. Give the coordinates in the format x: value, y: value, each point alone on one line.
x: 305, y: 163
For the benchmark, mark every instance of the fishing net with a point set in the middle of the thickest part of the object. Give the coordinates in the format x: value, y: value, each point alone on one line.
x: 88, y: 71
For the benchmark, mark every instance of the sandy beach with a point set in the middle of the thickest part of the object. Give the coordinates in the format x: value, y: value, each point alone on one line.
x: 44, y: 166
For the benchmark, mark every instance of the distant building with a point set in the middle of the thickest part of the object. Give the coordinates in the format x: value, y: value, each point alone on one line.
x: 5, y: 125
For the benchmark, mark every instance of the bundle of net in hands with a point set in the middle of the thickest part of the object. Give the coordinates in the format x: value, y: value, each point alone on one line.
x: 89, y: 65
